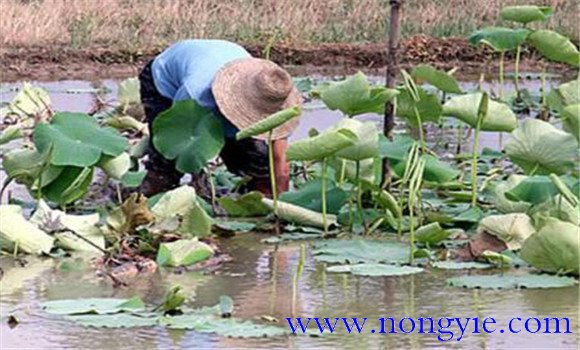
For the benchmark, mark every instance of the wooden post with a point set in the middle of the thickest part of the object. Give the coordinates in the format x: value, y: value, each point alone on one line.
x: 391, y: 74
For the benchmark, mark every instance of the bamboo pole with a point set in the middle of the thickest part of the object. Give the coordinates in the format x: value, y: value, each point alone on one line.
x: 391, y: 75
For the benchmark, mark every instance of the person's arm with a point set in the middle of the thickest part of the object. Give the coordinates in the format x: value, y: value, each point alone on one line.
x: 281, y: 166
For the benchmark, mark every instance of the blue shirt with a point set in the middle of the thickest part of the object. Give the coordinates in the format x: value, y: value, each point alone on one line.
x: 186, y: 70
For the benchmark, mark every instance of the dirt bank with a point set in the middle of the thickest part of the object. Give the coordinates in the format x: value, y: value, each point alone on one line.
x: 57, y: 63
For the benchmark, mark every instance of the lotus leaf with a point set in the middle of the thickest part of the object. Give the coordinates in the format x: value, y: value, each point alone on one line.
x: 499, y: 116
x: 441, y: 80
x: 512, y: 229
x: 183, y: 252
x: 302, y: 216
x: 227, y: 327
x: 182, y: 202
x: 17, y: 232
x: 431, y: 234
x: 354, y: 96
x: 360, y: 251
x: 308, y: 196
x: 189, y: 134
x: 500, y: 38
x: 129, y: 91
x: 511, y: 282
x: 247, y: 205
x: 554, y: 248
x: 367, y: 144
x: 428, y: 106
x: 321, y: 146
x: 30, y: 101
x: 462, y: 265
x: 269, y: 123
x: 99, y: 306
x: 11, y: 133
x: 235, y: 226
x: 532, y: 189
x: 133, y: 179
x: 84, y: 225
x: 555, y: 47
x: 71, y: 184
x: 367, y: 169
x: 559, y: 208
x: 77, y: 140
x: 497, y: 259
x: 571, y: 120
x: 375, y: 270
x: 122, y: 320
x: 503, y: 204
x: 116, y: 167
x: 539, y: 148
x: 526, y: 13
x: 25, y: 165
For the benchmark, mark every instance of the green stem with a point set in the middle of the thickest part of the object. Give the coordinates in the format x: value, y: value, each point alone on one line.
x: 324, y: 218
x: 272, y: 173
x: 359, y: 195
x: 517, y: 72
x: 212, y: 191
x: 474, y: 157
x: 420, y: 126
x: 411, y: 234
x: 501, y: 86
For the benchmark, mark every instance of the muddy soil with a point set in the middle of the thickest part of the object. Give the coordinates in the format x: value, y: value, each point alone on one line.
x: 61, y: 62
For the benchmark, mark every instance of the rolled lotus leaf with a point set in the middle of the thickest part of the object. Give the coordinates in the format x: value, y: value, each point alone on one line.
x: 431, y: 234
x: 295, y: 214
x: 554, y: 46
x: 441, y: 80
x: 512, y: 229
x: 24, y: 165
x: 554, y: 248
x: 18, y: 233
x: 367, y: 144
x: 117, y: 166
x: 526, y: 13
x: 269, y: 123
x: 322, y: 145
x: 499, y: 116
x: 388, y: 201
x: 503, y: 204
x: 539, y: 148
x: 500, y: 38
x: 183, y: 252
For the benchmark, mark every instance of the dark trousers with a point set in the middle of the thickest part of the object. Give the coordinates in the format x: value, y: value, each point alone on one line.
x: 247, y: 158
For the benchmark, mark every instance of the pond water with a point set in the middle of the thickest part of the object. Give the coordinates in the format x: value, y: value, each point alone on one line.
x: 259, y: 279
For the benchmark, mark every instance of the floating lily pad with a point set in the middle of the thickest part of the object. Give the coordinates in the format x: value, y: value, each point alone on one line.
x: 114, y: 321
x: 375, y: 270
x: 236, y: 226
x: 511, y: 282
x: 460, y: 265
x: 99, y: 306
x: 227, y: 327
x: 360, y: 251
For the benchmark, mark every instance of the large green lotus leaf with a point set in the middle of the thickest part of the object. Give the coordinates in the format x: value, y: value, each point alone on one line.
x: 247, y: 205
x: 396, y: 150
x: 115, y: 167
x: 30, y: 101
x: 321, y: 146
x: 512, y: 229
x: 431, y: 234
x: 428, y: 106
x: 298, y: 215
x: 354, y: 96
x: 500, y: 38
x: 90, y: 306
x: 539, y: 148
x: 367, y: 144
x: 183, y: 252
x: 269, y: 123
x: 189, y: 134
x: 77, y: 140
x: 360, y: 251
x: 182, y: 202
x: 133, y: 179
x: 499, y: 116
x: 24, y: 165
x: 226, y: 327
x: 503, y: 204
x: 375, y: 270
x: 71, y: 184
x: 367, y: 169
x: 555, y: 46
x: 460, y: 265
x: 526, y: 13
x: 11, y: 133
x: 564, y: 95
x: 17, y: 232
x: 511, y: 282
x: 441, y: 80
x: 554, y: 248
x: 309, y: 196
x: 532, y: 189
x: 121, y: 320
x: 571, y: 120
x: 84, y: 225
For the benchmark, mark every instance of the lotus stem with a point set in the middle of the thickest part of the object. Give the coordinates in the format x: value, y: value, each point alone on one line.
x: 517, y: 72
x: 501, y: 86
x: 474, y: 156
x: 323, y: 194
x: 544, y: 112
x: 421, y: 135
x: 119, y: 195
x: 212, y: 191
x: 297, y: 274
x: 359, y: 195
x: 272, y: 174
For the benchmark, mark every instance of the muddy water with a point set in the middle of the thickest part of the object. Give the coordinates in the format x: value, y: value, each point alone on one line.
x: 259, y: 280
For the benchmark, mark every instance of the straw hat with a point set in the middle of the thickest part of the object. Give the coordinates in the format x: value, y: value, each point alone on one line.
x: 249, y: 89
